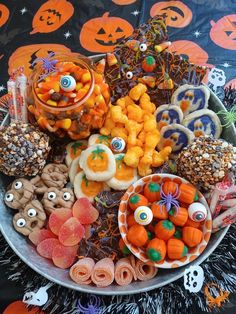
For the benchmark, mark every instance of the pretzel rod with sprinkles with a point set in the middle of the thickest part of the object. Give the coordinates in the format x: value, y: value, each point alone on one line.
x: 225, y: 219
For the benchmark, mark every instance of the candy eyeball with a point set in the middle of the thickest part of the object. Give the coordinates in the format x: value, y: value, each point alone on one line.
x: 142, y: 47
x: 18, y: 185
x: 143, y: 215
x: 117, y: 145
x: 129, y: 75
x: 67, y: 83
x: 52, y: 196
x: 31, y: 212
x: 21, y: 223
x: 9, y: 197
x: 66, y: 196
x: 197, y: 212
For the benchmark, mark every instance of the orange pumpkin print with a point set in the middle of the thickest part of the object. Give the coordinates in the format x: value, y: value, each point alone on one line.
x: 177, y: 13
x: 4, y: 14
x: 18, y: 307
x: 102, y: 34
x: 223, y: 32
x: 51, y: 16
x: 189, y: 51
x: 123, y: 2
x: 25, y: 55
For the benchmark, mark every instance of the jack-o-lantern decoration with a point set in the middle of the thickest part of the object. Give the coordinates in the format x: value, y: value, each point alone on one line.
x: 189, y: 51
x: 123, y: 2
x: 52, y: 15
x: 223, y: 32
x: 4, y: 14
x: 25, y: 55
x: 102, y: 34
x: 176, y: 13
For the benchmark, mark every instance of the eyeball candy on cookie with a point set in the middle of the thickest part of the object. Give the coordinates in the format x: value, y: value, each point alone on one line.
x: 98, y: 163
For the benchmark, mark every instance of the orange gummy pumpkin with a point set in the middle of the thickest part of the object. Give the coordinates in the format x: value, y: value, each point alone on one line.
x: 187, y: 193
x: 156, y: 250
x: 179, y: 217
x: 131, y: 221
x: 192, y: 236
x: 191, y: 223
x: 137, y: 200
x: 176, y: 249
x: 169, y: 187
x: 152, y: 191
x: 159, y: 211
x: 164, y: 229
x: 137, y: 235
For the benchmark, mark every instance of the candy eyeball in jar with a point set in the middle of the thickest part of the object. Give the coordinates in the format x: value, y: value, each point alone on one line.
x: 67, y: 97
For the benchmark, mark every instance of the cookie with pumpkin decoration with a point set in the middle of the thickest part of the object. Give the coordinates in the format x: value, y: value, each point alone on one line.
x: 74, y: 150
x: 98, y: 163
x: 99, y: 139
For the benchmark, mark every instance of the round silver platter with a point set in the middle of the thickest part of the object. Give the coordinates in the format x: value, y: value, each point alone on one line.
x: 22, y: 247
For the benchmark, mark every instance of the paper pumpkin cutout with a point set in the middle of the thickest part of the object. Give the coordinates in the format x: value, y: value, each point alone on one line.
x: 177, y: 13
x: 25, y: 55
x: 101, y: 34
x: 223, y: 32
x: 21, y: 308
x: 123, y: 2
x: 4, y: 14
x: 189, y: 51
x: 51, y: 16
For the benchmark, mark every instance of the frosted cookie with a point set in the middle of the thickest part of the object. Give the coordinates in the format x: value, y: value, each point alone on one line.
x: 88, y: 188
x: 74, y: 169
x: 21, y: 191
x: 54, y: 199
x: 203, y: 122
x: 98, y: 163
x: 190, y: 98
x: 99, y: 139
x: 32, y: 217
x: 177, y: 136
x: 74, y: 150
x: 124, y: 175
x: 168, y: 114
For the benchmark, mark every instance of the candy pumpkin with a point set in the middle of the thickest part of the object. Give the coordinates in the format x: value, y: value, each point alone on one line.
x: 25, y: 55
x: 170, y: 187
x: 4, y: 14
x: 137, y: 235
x: 176, y: 249
x: 159, y: 211
x: 152, y: 191
x: 137, y: 200
x: 223, y: 32
x: 192, y: 236
x: 178, y: 217
x: 189, y: 51
x: 156, y: 250
x: 177, y: 13
x: 131, y: 221
x: 101, y: 34
x: 51, y: 16
x: 164, y: 229
x: 123, y: 2
x: 123, y: 247
x: 191, y: 223
x: 187, y: 193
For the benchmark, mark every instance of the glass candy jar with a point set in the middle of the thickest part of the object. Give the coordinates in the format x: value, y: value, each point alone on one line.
x: 67, y: 96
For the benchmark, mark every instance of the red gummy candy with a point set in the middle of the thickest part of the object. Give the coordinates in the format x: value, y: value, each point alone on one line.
x: 88, y: 231
x: 38, y: 236
x: 71, y: 232
x: 58, y: 218
x: 64, y: 256
x: 85, y: 211
x: 45, y: 248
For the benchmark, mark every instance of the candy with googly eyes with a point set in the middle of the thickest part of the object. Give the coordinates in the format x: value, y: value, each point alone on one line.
x: 67, y: 83
x: 129, y: 75
x: 142, y: 47
x: 31, y: 212
x: 143, y: 215
x: 18, y: 185
x: 20, y: 222
x: 9, y: 197
x: 117, y: 145
x: 197, y: 212
x: 51, y: 195
x: 67, y: 196
x: 54, y: 199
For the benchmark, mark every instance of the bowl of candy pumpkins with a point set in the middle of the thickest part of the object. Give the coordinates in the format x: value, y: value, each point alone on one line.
x: 164, y: 220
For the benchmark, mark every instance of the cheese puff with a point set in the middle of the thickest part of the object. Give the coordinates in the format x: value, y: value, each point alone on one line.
x: 137, y: 91
x: 148, y: 106
x: 117, y: 115
x: 135, y: 113
x: 138, y: 143
x: 120, y: 132
x: 150, y: 125
x: 121, y: 102
x: 132, y: 156
x: 144, y: 99
x: 151, y: 141
x: 128, y: 101
x: 133, y: 128
x: 158, y: 158
x: 141, y: 136
x: 109, y: 125
x: 144, y: 169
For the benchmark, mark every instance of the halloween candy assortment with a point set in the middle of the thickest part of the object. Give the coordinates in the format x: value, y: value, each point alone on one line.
x: 78, y: 163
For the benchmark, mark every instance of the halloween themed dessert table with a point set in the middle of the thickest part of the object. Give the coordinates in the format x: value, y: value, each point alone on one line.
x: 117, y: 156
